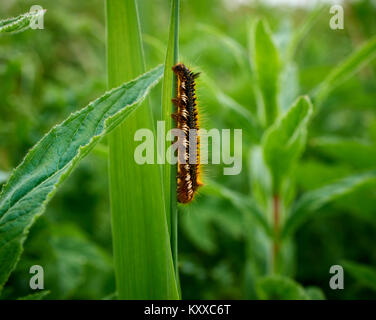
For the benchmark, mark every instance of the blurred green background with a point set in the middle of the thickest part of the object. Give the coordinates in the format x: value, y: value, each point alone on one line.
x: 47, y: 74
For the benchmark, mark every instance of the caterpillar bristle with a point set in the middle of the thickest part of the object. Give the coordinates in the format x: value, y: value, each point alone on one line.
x: 186, y: 117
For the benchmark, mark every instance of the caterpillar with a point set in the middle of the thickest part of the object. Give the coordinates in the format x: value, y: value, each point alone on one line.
x: 186, y: 117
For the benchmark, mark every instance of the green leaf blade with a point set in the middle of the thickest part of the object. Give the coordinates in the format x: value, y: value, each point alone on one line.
x: 283, y: 143
x: 345, y: 70
x: 142, y: 251
x: 34, y: 182
x: 356, y: 152
x: 315, y: 199
x: 267, y: 68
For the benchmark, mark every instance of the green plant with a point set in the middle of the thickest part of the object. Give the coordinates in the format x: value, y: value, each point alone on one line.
x: 275, y: 210
x: 283, y: 142
x: 308, y: 135
x: 35, y: 180
x: 142, y: 230
x: 20, y: 23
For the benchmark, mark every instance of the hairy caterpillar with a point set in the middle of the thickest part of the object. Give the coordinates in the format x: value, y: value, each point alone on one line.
x: 186, y: 117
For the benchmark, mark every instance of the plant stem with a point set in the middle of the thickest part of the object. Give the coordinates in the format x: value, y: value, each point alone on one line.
x: 169, y: 91
x: 174, y: 209
x: 276, y: 225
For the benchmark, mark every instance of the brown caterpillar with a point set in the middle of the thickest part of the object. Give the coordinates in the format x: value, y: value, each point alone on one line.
x: 186, y: 117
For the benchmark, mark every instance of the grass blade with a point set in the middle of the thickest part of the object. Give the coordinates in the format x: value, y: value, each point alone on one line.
x: 52, y: 159
x: 345, y: 70
x: 142, y: 253
x: 168, y: 92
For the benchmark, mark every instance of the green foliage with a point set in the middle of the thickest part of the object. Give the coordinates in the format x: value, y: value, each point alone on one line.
x: 313, y: 200
x: 346, y: 69
x: 355, y: 152
x: 283, y: 143
x: 260, y: 176
x: 283, y: 288
x: 230, y: 244
x: 266, y: 65
x: 74, y: 256
x: 35, y: 180
x: 280, y: 288
x: 244, y: 204
x: 315, y: 293
x: 364, y: 274
x: 20, y: 23
x: 66, y: 252
x: 36, y: 296
x: 239, y: 53
x: 303, y: 31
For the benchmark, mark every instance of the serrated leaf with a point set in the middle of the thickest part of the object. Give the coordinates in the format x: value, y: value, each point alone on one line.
x: 266, y: 65
x: 365, y: 274
x: 20, y: 23
x: 315, y: 199
x: 346, y: 69
x: 277, y: 287
x: 283, y: 143
x: 51, y: 160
